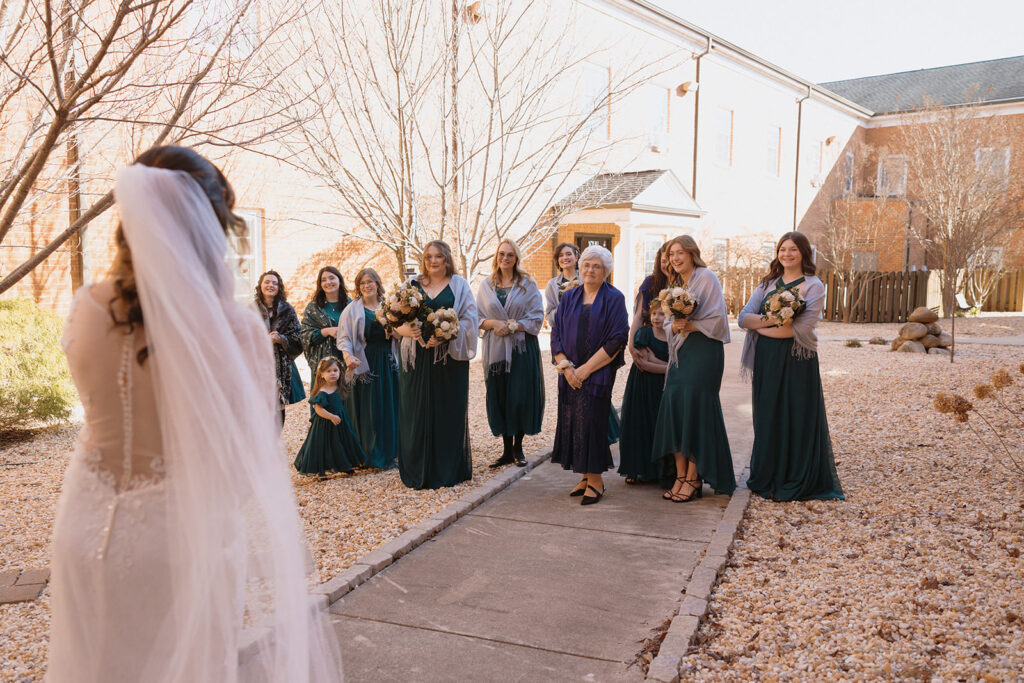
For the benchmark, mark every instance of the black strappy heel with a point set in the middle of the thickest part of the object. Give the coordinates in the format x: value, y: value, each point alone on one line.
x: 698, y: 491
x: 668, y: 495
x: 590, y: 500
x: 579, y: 490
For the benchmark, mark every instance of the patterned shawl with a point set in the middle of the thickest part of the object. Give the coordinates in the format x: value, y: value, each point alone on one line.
x: 315, y: 346
x: 283, y: 321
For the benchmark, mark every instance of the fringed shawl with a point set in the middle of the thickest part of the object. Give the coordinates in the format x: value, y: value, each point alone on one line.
x: 315, y: 319
x: 711, y: 317
x: 805, y: 338
x: 523, y: 305
x: 463, y: 347
x: 285, y: 322
x: 352, y: 338
x: 551, y: 297
x: 609, y: 323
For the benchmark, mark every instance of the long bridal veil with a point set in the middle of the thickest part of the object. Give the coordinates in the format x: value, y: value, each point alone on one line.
x: 237, y: 548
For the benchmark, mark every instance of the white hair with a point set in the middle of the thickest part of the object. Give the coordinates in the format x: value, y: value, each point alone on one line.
x: 598, y: 252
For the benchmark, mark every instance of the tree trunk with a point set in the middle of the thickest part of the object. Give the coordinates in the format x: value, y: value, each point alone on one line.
x: 77, y: 241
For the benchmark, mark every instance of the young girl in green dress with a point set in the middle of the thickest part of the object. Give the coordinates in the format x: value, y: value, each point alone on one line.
x: 642, y: 398
x: 331, y: 444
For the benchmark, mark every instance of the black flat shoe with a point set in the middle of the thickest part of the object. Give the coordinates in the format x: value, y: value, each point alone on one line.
x: 518, y: 458
x: 590, y: 500
x: 505, y: 459
x: 580, y: 488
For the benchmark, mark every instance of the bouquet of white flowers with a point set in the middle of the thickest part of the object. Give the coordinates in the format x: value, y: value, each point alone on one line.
x: 677, y: 302
x: 783, y: 307
x: 445, y: 324
x: 401, y: 306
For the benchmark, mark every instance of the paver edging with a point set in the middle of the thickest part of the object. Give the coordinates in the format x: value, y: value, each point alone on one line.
x: 377, y: 560
x: 693, y: 610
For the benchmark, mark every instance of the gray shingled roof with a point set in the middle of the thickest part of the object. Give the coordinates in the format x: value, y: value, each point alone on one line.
x: 610, y: 189
x: 988, y: 81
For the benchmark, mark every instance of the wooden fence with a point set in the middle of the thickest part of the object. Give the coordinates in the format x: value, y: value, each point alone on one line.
x: 1008, y: 293
x: 887, y: 297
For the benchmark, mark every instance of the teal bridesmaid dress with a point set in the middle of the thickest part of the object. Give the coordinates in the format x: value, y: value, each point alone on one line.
x: 433, y: 443
x: 515, y: 399
x: 690, y: 415
x: 329, y: 448
x: 640, y: 412
x: 374, y: 403
x: 792, y: 455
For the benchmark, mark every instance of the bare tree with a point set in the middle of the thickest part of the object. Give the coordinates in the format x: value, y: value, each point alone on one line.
x: 464, y: 125
x: 966, y: 183
x: 100, y: 80
x: 856, y: 229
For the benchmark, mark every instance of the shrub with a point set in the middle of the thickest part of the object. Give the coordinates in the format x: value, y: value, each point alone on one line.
x: 35, y: 384
x: 880, y: 341
x: 852, y: 344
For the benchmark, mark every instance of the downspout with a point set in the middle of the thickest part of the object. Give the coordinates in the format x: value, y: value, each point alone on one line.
x: 696, y: 116
x: 796, y: 173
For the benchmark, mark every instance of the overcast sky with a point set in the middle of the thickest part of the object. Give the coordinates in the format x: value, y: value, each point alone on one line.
x: 828, y: 40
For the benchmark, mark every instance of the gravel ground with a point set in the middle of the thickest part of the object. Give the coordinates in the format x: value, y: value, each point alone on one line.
x: 346, y: 517
x: 917, y: 575
x: 984, y: 325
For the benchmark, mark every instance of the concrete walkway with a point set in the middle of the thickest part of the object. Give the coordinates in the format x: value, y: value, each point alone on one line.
x: 531, y: 586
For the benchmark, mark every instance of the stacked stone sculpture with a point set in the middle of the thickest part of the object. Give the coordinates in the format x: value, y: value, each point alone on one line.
x: 922, y: 334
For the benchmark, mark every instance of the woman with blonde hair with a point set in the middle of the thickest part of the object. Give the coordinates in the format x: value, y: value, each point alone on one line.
x: 373, y: 401
x: 690, y: 431
x: 512, y: 312
x: 433, y: 444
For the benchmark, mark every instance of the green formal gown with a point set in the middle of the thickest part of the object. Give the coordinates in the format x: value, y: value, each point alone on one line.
x: 433, y: 441
x: 640, y: 413
x: 328, y: 447
x: 515, y: 399
x: 792, y: 455
x: 690, y: 415
x: 374, y: 403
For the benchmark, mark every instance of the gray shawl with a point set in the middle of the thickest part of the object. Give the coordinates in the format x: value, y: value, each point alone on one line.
x: 805, y: 338
x: 523, y: 305
x: 352, y: 337
x: 552, y: 295
x: 711, y: 316
x: 463, y: 347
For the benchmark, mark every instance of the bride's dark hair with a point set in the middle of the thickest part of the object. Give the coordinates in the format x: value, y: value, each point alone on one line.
x: 222, y: 198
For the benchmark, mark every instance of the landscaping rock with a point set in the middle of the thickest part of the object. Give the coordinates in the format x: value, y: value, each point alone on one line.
x: 923, y: 314
x: 897, y: 343
x: 934, y: 328
x: 878, y: 341
x: 939, y: 351
x: 945, y: 339
x: 930, y: 341
x: 912, y: 346
x: 913, y: 330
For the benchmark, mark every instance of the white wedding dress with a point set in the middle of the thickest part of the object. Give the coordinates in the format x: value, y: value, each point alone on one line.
x: 177, y: 527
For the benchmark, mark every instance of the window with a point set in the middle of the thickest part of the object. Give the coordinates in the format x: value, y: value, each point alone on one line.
x: 723, y: 136
x: 865, y: 261
x: 596, y: 100
x: 657, y: 101
x: 773, y: 155
x: 768, y: 251
x: 892, y: 176
x: 245, y: 256
x: 993, y: 161
x: 848, y: 175
x: 720, y: 254
x: 651, y: 245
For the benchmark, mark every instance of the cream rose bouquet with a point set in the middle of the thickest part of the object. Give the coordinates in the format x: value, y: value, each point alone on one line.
x: 783, y: 307
x: 444, y: 324
x: 677, y: 302
x: 401, y: 306
x: 564, y: 287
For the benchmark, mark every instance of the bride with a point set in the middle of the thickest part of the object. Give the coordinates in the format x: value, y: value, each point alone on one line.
x: 178, y: 553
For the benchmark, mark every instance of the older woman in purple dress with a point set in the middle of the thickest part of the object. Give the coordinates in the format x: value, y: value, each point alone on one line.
x: 590, y: 330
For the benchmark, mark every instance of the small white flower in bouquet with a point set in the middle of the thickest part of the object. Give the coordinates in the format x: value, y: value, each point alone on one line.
x: 677, y: 302
x: 445, y: 322
x: 783, y: 307
x: 513, y: 326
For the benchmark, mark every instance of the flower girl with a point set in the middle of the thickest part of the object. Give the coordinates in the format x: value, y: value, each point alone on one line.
x: 331, y: 444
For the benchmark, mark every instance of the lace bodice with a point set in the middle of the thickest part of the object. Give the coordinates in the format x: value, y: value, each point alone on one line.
x: 121, y: 441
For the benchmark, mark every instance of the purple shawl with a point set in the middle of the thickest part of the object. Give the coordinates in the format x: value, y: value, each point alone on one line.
x: 609, y: 323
